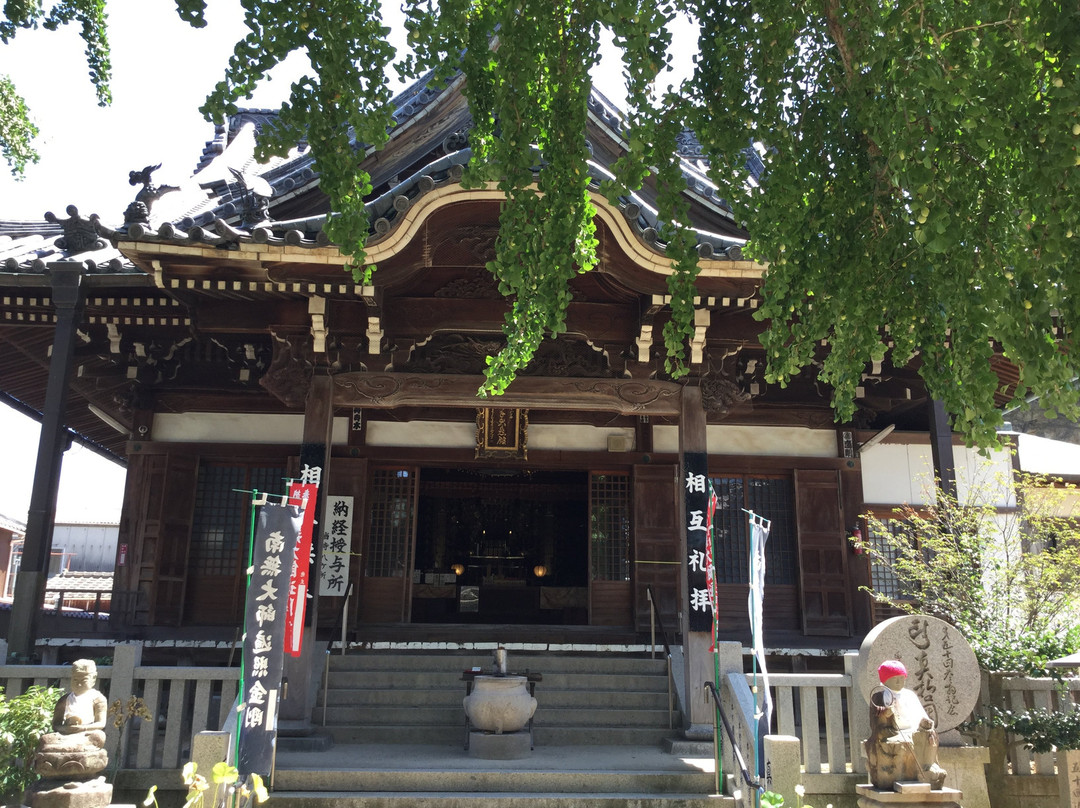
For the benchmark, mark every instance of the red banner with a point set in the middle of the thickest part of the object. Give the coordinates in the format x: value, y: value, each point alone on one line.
x: 303, y: 495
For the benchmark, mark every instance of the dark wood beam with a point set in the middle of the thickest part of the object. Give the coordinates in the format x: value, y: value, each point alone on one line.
x: 388, y: 390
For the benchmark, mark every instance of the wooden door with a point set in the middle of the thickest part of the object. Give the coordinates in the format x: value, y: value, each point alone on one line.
x: 656, y: 544
x: 389, y: 546
x: 823, y: 554
x: 157, y: 527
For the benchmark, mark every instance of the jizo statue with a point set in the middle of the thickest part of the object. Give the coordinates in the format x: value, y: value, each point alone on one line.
x: 903, y: 742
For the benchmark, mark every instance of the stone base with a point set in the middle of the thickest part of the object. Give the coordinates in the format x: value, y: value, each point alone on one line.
x: 507, y: 746
x: 918, y: 794
x: 74, y: 794
x: 1068, y: 764
x: 966, y: 771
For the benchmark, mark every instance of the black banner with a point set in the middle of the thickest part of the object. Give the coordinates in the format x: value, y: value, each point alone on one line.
x: 276, y: 531
x: 696, y: 492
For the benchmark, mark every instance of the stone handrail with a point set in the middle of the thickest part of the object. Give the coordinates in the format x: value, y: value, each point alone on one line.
x: 811, y: 707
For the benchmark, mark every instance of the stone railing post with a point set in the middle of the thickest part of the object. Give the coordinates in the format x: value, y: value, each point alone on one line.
x: 209, y: 748
x: 858, y: 714
x: 3, y: 652
x: 995, y: 772
x: 126, y: 657
x: 783, y: 766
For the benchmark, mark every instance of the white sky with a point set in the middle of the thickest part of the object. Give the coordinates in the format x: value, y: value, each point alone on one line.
x: 91, y: 487
x: 162, y: 71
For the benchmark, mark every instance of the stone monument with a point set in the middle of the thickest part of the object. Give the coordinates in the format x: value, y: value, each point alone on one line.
x: 69, y: 758
x: 920, y: 678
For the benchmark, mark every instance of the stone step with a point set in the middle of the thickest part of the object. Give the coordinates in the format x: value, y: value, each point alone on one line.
x: 454, y: 716
x: 331, y: 799
x: 398, y: 733
x: 338, y: 698
x: 494, y: 780
x: 416, y: 680
x: 519, y: 662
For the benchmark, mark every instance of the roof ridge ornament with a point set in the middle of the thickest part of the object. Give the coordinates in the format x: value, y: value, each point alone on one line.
x: 138, y: 212
x: 80, y: 235
x: 254, y: 198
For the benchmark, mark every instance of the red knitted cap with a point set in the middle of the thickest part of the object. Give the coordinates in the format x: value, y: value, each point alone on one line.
x: 890, y: 668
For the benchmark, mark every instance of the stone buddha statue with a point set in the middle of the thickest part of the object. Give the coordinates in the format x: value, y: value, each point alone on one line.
x: 75, y: 749
x: 903, y: 743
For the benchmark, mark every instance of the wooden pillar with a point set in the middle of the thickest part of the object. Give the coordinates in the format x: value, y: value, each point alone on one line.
x: 941, y: 448
x: 67, y: 295
x: 303, y: 672
x: 693, y: 461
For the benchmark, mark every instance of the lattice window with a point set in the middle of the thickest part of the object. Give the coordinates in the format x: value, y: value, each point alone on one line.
x: 221, y: 523
x: 770, y: 497
x: 393, y: 496
x: 882, y: 576
x: 609, y: 526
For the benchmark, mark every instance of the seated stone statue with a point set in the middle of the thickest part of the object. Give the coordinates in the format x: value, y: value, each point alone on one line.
x: 75, y: 749
x: 903, y: 744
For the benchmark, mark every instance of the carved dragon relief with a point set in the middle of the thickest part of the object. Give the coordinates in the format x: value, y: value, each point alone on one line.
x: 721, y: 396
x: 468, y: 246
x: 289, y: 375
x: 478, y: 285
x: 467, y: 355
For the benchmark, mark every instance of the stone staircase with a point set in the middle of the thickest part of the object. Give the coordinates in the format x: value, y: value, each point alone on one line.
x: 398, y: 728
x: 401, y: 697
x: 495, y: 789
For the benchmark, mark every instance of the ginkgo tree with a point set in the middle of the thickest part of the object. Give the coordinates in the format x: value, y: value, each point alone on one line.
x: 918, y: 202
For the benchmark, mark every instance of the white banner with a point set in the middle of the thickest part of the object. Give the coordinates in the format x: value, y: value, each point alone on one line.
x: 336, y: 547
x: 759, y: 534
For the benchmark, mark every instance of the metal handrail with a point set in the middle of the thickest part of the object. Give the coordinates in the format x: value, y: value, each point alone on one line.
x: 338, y: 624
x: 654, y: 620
x: 739, y: 759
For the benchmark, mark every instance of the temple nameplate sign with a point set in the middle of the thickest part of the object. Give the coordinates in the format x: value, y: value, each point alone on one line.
x: 502, y: 432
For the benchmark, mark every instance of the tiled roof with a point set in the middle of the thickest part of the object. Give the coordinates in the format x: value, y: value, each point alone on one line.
x: 12, y: 525
x: 208, y: 209
x: 72, y: 583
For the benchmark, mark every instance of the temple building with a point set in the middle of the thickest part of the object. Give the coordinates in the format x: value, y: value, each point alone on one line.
x: 218, y: 347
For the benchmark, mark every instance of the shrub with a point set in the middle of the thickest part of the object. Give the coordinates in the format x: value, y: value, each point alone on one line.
x: 1008, y: 579
x: 1042, y: 730
x: 23, y: 720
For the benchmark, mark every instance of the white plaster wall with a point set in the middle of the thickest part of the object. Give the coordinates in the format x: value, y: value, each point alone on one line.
x: 220, y: 427
x: 791, y: 441
x: 575, y: 437
x: 436, y: 434
x: 1045, y: 456
x: 903, y: 474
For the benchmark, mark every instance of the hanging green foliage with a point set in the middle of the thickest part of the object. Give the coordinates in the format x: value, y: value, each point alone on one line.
x: 918, y: 202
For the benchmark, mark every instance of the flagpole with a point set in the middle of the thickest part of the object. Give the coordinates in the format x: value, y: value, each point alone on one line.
x: 759, y: 532
x: 718, y: 742
x: 753, y: 657
x: 247, y: 585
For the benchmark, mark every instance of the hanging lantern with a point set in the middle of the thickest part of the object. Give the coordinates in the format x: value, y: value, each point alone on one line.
x: 540, y: 570
x: 459, y: 569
